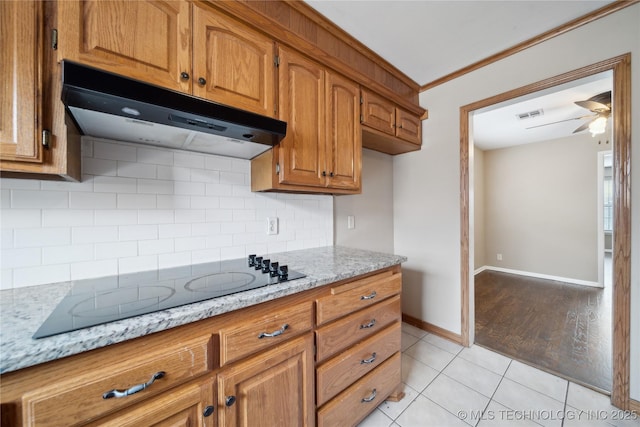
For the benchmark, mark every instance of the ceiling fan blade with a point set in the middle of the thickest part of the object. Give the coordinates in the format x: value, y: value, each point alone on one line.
x: 593, y: 106
x: 561, y: 121
x: 583, y: 127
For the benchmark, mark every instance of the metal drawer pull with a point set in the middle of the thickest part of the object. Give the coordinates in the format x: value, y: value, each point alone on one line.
x: 230, y: 400
x: 372, y: 295
x: 369, y: 360
x: 369, y: 325
x: 134, y: 389
x: 275, y: 333
x: 371, y: 397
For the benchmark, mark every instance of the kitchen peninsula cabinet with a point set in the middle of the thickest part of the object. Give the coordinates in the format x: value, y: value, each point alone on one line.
x: 385, y: 124
x: 174, y: 44
x: 322, y: 150
x: 34, y: 142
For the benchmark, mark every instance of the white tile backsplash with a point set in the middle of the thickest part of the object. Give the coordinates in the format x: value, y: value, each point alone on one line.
x: 140, y: 208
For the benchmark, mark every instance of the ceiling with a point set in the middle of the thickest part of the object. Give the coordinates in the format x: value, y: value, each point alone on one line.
x: 427, y: 40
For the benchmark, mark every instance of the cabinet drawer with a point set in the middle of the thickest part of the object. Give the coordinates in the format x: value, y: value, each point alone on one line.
x: 344, y: 369
x: 344, y: 332
x: 77, y: 399
x: 253, y: 334
x: 352, y: 405
x: 352, y: 296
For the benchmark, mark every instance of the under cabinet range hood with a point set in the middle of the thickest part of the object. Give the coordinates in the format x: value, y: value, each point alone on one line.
x: 108, y: 105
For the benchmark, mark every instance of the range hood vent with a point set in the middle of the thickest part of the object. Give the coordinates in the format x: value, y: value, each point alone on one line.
x: 107, y: 105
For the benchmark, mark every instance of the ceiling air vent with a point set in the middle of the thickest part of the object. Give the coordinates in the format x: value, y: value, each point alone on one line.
x: 530, y: 114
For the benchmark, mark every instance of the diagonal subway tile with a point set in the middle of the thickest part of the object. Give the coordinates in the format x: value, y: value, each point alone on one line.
x: 430, y: 355
x: 537, y: 380
x: 476, y: 377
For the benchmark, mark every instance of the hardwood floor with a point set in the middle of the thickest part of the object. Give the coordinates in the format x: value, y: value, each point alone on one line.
x: 559, y: 327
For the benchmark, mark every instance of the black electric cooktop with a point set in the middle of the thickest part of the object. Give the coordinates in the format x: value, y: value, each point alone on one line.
x: 95, y: 301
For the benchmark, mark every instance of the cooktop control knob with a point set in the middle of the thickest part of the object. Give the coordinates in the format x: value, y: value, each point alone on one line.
x: 265, y: 265
x: 258, y: 263
x: 283, y: 272
x: 273, y: 270
x: 252, y: 260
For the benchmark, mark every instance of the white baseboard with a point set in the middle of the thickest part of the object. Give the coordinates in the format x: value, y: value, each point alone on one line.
x: 539, y: 276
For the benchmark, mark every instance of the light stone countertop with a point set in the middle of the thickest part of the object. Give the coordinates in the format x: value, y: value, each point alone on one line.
x: 23, y: 310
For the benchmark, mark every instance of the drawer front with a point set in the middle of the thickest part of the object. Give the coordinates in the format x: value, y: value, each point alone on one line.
x: 342, y: 333
x: 259, y: 332
x: 352, y: 296
x: 79, y: 398
x: 356, y: 402
x: 347, y: 367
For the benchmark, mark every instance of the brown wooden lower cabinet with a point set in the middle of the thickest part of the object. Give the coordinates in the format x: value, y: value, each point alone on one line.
x: 231, y: 369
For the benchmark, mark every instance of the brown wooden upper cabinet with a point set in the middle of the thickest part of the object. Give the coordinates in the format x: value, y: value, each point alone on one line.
x: 33, y: 138
x: 21, y: 62
x: 381, y: 117
x: 192, y: 48
x: 322, y: 150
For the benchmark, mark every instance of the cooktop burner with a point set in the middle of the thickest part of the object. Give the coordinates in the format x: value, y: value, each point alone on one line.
x: 91, y: 302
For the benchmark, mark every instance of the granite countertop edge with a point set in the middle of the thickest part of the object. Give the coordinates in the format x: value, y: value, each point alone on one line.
x: 19, y: 320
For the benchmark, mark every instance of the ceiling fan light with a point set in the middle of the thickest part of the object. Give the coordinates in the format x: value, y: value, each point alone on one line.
x: 598, y: 126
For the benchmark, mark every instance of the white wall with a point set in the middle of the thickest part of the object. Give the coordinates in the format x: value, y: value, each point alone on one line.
x: 541, y: 207
x: 142, y: 208
x: 372, y: 210
x: 427, y: 183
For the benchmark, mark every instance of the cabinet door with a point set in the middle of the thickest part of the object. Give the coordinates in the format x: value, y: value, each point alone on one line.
x: 408, y: 126
x: 378, y: 113
x: 21, y: 57
x: 302, y: 106
x: 344, y: 143
x: 271, y: 389
x: 145, y: 40
x: 232, y: 64
x: 187, y: 406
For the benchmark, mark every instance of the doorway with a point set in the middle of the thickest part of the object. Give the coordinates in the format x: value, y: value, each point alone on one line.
x: 621, y: 211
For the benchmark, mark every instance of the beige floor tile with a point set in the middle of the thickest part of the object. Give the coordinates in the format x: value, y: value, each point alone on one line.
x: 487, y: 359
x: 531, y: 404
x: 537, y: 380
x: 442, y: 343
x: 416, y: 374
x: 376, y: 419
x: 430, y: 355
x: 424, y: 412
x: 456, y: 398
x: 474, y: 376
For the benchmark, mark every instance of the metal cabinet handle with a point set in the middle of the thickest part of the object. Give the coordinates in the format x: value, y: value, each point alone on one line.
x: 368, y: 325
x: 331, y: 174
x: 136, y: 388
x: 324, y: 173
x: 230, y: 400
x: 371, y: 397
x: 208, y: 411
x: 275, y: 333
x: 184, y: 75
x: 372, y: 295
x: 369, y: 360
x: 202, y: 81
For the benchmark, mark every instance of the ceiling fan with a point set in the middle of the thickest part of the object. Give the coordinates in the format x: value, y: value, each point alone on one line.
x: 599, y: 104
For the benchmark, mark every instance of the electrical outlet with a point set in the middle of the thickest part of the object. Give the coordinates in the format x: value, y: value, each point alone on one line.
x: 499, y: 257
x: 272, y: 225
